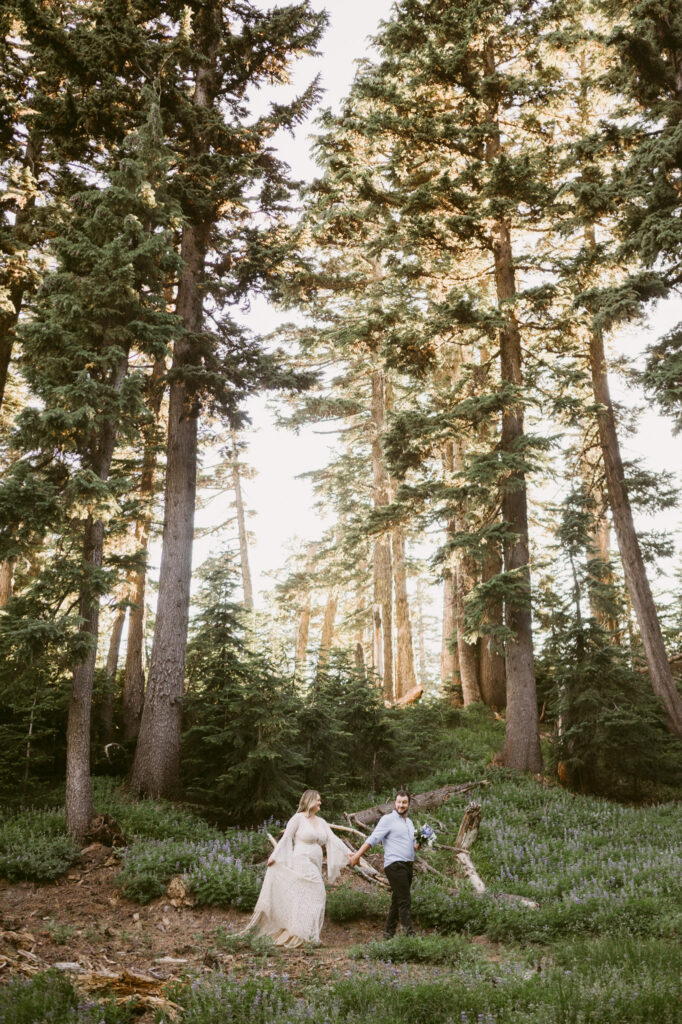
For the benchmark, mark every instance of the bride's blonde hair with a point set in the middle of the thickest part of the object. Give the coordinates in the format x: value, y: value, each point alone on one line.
x: 308, y: 798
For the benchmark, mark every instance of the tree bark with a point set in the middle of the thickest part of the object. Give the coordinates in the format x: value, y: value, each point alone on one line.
x: 327, y: 629
x: 133, y: 687
x: 79, y: 806
x: 467, y: 654
x: 241, y: 526
x: 305, y: 616
x: 421, y: 634
x: 406, y: 680
x: 491, y: 662
x: 6, y: 580
x: 419, y: 801
x: 383, y: 571
x: 628, y: 543
x: 450, y: 666
x: 156, y: 768
x: 107, y: 710
x: 521, y: 749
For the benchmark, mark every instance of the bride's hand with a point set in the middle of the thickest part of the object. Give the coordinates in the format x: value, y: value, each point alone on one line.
x: 270, y: 862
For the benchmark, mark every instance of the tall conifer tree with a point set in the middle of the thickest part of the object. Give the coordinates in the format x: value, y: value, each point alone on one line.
x: 225, y: 172
x: 103, y: 301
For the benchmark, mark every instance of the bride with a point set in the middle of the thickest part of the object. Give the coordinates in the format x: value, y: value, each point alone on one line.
x: 290, y: 906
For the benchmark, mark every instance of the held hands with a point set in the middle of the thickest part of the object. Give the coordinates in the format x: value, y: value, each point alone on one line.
x: 353, y: 859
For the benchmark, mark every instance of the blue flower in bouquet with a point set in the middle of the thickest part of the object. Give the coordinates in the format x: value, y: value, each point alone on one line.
x: 425, y: 835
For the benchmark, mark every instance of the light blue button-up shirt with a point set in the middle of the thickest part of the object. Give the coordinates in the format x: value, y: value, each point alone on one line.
x: 397, y: 835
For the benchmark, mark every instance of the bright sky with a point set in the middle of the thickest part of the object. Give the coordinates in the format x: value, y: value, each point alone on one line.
x: 281, y: 502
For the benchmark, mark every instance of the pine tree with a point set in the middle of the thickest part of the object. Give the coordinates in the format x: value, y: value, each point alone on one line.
x: 103, y: 301
x: 645, y: 77
x: 598, y: 188
x: 240, y: 742
x: 445, y: 81
x: 225, y: 173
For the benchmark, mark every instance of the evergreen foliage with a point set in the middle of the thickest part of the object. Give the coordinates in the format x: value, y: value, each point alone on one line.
x: 240, y: 743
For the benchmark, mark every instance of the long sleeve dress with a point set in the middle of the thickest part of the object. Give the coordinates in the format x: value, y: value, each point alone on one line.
x: 291, y: 903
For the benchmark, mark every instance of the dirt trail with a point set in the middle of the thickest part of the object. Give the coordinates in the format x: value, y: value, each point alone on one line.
x: 82, y: 919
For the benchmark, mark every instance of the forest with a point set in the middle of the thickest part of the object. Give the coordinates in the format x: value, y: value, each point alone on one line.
x: 476, y: 296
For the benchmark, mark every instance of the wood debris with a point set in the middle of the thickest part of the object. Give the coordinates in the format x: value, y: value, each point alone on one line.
x: 419, y: 801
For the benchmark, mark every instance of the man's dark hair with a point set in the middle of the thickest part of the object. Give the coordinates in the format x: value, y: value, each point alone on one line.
x: 403, y: 792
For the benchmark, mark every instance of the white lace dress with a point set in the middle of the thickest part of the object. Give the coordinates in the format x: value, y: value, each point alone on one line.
x: 291, y: 903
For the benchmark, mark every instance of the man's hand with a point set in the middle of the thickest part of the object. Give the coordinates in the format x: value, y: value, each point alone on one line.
x: 353, y: 858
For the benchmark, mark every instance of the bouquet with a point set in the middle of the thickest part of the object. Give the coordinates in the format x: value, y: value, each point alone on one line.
x: 425, y: 836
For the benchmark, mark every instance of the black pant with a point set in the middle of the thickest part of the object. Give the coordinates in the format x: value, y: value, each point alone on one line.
x: 399, y: 874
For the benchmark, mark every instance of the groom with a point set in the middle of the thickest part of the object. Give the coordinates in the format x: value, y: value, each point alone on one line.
x: 396, y: 832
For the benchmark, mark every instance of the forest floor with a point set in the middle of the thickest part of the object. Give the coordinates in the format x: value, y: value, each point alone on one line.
x: 82, y: 924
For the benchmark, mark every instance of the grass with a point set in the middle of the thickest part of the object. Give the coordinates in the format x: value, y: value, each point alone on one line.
x: 50, y: 997
x: 34, y: 846
x: 602, y: 948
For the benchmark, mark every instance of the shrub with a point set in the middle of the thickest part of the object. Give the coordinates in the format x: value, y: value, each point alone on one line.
x: 254, y: 1001
x: 218, y: 879
x: 149, y: 819
x: 417, y: 949
x: 51, y: 997
x: 251, y: 942
x: 215, y: 870
x: 34, y: 846
x: 347, y: 904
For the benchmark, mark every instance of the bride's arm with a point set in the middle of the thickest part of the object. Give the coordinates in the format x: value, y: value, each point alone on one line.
x: 284, y: 848
x: 337, y: 854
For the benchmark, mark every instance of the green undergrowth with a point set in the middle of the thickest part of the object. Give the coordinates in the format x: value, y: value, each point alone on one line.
x: 617, y: 980
x: 223, y: 871
x: 149, y: 819
x: 418, y: 949
x: 34, y: 846
x: 607, y: 982
x: 50, y: 998
x: 593, y: 866
x: 347, y: 904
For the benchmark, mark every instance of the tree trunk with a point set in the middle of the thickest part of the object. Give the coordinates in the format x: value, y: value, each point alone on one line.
x: 628, y: 543
x: 133, y: 687
x: 467, y: 653
x: 304, y: 617
x: 79, y: 806
x: 383, y: 572
x: 156, y: 768
x: 107, y: 711
x: 521, y: 749
x: 449, y: 667
x: 327, y: 629
x: 421, y: 633
x: 449, y: 658
x: 369, y: 816
x: 6, y: 580
x: 241, y: 526
x: 406, y: 680
x: 491, y: 662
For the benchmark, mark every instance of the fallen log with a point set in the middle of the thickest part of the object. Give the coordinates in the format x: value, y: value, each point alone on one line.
x: 420, y: 801
x: 466, y: 837
x: 411, y: 697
